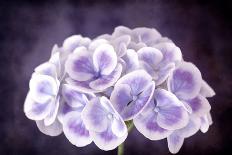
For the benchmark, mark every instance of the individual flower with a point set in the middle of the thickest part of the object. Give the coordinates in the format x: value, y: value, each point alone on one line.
x: 186, y: 83
x: 42, y: 101
x: 93, y: 71
x: 160, y: 60
x: 75, y: 41
x: 131, y: 93
x: 105, y: 125
x: 163, y: 114
x: 70, y: 115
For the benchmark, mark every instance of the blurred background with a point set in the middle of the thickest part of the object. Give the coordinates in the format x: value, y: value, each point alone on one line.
x: 29, y: 29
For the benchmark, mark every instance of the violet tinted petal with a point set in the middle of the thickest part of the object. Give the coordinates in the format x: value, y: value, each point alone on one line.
x: 206, y: 90
x: 175, y: 142
x: 105, y: 59
x: 54, y: 129
x: 137, y: 80
x: 75, y: 130
x: 106, y: 81
x: 79, y: 66
x: 185, y: 82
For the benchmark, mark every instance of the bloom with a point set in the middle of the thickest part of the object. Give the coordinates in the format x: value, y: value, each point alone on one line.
x: 106, y: 126
x: 89, y: 90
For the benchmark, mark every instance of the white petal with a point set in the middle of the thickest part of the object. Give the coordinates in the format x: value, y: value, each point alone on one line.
x: 42, y: 87
x: 54, y: 129
x: 75, y: 130
x: 206, y: 90
x: 175, y: 142
x: 53, y: 112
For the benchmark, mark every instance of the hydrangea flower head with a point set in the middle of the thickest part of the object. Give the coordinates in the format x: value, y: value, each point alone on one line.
x: 91, y: 89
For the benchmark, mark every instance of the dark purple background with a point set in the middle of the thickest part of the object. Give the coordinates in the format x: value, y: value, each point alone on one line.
x: 28, y: 30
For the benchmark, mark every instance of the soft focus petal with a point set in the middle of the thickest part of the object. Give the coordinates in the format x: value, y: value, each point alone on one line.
x: 164, y: 72
x: 53, y: 112
x: 107, y: 140
x: 191, y: 128
x: 36, y: 111
x: 204, y: 124
x: 120, y: 44
x: 137, y: 80
x: 42, y: 87
x: 185, y: 82
x: 146, y: 35
x: 95, y: 43
x: 54, y: 129
x: 150, y: 55
x: 71, y: 43
x: 171, y: 53
x: 105, y: 59
x: 171, y: 114
x: 106, y: 81
x: 46, y: 69
x: 95, y: 116
x: 175, y: 142
x: 79, y: 66
x: 206, y: 90
x: 121, y: 30
x: 131, y: 59
x: 146, y: 124
x: 75, y: 130
x: 200, y: 105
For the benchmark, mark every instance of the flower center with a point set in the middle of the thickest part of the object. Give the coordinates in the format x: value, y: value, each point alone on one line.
x: 156, y: 109
x: 134, y: 97
x: 110, y: 116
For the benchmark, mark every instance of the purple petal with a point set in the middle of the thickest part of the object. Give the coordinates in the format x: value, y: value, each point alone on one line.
x: 206, y: 90
x: 200, y: 105
x: 82, y: 86
x: 120, y: 97
x: 79, y: 66
x: 75, y: 130
x: 171, y: 112
x: 150, y: 55
x: 54, y: 129
x: 95, y: 116
x: 73, y: 97
x: 105, y: 59
x: 107, y: 140
x: 137, y: 80
x: 42, y: 87
x: 185, y: 82
x: 35, y: 110
x: 136, y: 106
x: 106, y: 81
x: 171, y: 53
x: 146, y: 124
x: 205, y: 123
x: 175, y: 142
x: 131, y: 59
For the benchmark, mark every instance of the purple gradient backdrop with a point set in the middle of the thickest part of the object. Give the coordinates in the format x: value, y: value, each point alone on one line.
x: 28, y: 31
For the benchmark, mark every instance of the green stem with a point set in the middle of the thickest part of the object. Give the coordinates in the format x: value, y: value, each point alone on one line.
x: 130, y: 126
x: 121, y: 149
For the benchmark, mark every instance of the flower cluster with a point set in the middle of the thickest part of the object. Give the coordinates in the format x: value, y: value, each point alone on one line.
x: 90, y: 88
